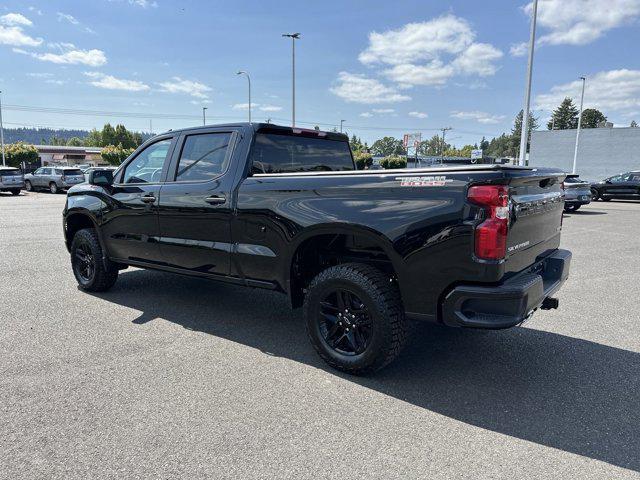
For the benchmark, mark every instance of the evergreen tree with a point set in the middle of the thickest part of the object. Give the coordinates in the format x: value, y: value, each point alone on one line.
x: 634, y: 124
x: 517, y: 130
x: 564, y: 117
x: 591, y: 117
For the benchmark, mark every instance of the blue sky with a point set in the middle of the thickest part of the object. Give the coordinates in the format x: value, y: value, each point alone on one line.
x: 384, y: 67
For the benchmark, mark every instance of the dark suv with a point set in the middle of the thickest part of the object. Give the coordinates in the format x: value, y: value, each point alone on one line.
x: 623, y: 186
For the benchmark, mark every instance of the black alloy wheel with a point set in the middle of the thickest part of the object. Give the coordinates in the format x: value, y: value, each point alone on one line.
x: 344, y: 322
x: 84, y: 263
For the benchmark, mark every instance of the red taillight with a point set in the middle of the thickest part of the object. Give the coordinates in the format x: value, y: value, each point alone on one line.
x: 491, y: 235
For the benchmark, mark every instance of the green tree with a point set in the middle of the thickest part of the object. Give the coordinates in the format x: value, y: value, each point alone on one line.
x: 432, y: 147
x: 591, y: 117
x: 108, y: 136
x: 633, y: 124
x: 387, y: 146
x: 19, y: 152
x: 57, y: 141
x: 94, y: 139
x: 393, y: 161
x: 363, y: 160
x: 516, y: 132
x: 499, y: 146
x: 356, y: 144
x: 564, y: 117
x: 484, y: 144
x: 115, y: 155
x: 75, y: 142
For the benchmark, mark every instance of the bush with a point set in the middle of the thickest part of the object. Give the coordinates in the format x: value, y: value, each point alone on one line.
x: 115, y: 155
x: 363, y: 160
x: 393, y: 162
x: 19, y: 152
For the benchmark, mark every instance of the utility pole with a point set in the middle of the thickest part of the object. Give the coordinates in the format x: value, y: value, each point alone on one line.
x: 444, y: 131
x: 4, y: 162
x: 242, y: 72
x: 293, y: 37
x: 575, y: 152
x: 204, y: 116
x: 524, y: 134
x: 341, y: 122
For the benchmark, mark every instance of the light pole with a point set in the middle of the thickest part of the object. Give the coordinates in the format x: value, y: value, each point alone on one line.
x: 293, y: 37
x: 4, y: 163
x: 204, y: 116
x: 575, y: 152
x: 241, y: 72
x: 444, y: 131
x: 524, y: 133
x: 341, y: 122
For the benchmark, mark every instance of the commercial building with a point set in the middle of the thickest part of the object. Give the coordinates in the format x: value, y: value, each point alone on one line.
x: 65, y: 155
x: 602, y: 152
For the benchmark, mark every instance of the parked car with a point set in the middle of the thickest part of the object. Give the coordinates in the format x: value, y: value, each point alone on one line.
x: 623, y: 186
x: 87, y: 172
x: 53, y: 179
x: 11, y: 180
x: 361, y: 251
x: 576, y: 193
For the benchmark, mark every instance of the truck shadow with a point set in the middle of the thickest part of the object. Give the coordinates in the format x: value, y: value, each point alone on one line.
x: 562, y: 392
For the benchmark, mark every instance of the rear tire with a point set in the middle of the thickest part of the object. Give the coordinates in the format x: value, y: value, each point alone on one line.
x: 53, y: 187
x: 365, y: 335
x: 595, y: 195
x: 28, y: 187
x: 15, y: 191
x: 605, y: 199
x: 570, y: 208
x: 87, y: 262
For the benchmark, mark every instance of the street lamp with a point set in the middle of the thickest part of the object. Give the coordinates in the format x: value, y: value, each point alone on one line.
x: 575, y: 152
x: 293, y: 37
x: 242, y: 72
x: 341, y: 122
x: 4, y: 163
x: 204, y: 116
x: 524, y: 134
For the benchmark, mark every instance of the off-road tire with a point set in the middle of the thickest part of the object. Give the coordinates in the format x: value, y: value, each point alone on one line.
x: 104, y: 276
x: 382, y: 299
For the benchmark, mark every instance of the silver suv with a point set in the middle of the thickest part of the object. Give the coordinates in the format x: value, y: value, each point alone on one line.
x: 11, y: 180
x: 53, y: 179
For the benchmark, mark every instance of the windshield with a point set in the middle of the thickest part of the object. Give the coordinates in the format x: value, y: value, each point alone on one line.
x: 10, y: 173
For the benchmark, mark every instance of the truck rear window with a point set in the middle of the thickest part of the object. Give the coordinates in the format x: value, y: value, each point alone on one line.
x: 73, y: 172
x: 10, y: 173
x: 274, y: 153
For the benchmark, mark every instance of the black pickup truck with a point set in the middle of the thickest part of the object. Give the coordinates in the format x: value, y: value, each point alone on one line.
x: 362, y: 252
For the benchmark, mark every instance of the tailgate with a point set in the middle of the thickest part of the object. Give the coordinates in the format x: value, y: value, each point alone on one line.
x: 537, y: 202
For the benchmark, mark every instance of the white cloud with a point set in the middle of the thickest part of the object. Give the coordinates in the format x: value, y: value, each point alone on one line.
x: 110, y: 82
x: 419, y: 41
x: 383, y: 110
x: 366, y: 114
x: 430, y: 52
x: 11, y: 32
x: 519, y: 49
x: 477, y: 60
x: 418, y: 114
x: 40, y: 75
x: 143, y: 3
x: 68, y: 18
x: 70, y: 55
x: 613, y: 90
x: 13, y: 19
x: 361, y: 89
x: 189, y: 87
x: 270, y: 108
x: 244, y: 106
x: 480, y: 117
x: 35, y: 10
x: 578, y: 22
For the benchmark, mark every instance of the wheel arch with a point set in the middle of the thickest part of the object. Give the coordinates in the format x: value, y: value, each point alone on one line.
x: 75, y: 220
x: 303, y: 250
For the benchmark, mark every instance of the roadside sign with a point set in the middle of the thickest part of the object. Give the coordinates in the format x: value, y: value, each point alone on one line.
x: 476, y: 153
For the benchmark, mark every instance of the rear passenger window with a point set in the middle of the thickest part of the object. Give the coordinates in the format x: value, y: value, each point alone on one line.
x: 274, y: 153
x: 203, y: 157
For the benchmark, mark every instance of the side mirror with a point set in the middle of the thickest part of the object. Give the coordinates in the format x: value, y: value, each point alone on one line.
x: 101, y: 178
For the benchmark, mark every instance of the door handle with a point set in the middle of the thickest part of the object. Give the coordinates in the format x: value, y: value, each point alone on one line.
x: 215, y: 199
x: 148, y: 198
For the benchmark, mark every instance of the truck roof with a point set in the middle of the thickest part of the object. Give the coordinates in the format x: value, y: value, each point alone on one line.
x: 268, y: 127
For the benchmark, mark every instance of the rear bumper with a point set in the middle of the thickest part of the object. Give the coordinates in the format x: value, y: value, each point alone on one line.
x: 510, y: 303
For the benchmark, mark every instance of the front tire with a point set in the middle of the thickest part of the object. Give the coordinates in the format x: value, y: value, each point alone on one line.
x: 87, y: 263
x: 15, y: 192
x: 28, y: 187
x: 595, y: 195
x: 355, y: 318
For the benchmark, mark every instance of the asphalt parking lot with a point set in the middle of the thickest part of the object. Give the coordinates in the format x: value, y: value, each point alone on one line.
x: 167, y: 376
